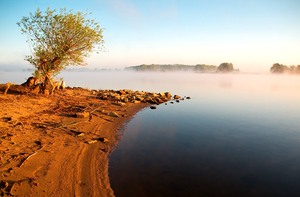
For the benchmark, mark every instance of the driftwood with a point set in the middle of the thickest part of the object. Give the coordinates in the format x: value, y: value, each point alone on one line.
x: 31, y: 81
x: 7, y: 87
x: 56, y: 85
x: 28, y: 157
x: 47, y: 87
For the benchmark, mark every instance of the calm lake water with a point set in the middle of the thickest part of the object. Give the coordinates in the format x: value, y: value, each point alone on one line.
x: 238, y: 135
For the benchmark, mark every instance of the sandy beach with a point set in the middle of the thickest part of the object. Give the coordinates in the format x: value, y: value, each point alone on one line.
x: 58, y: 145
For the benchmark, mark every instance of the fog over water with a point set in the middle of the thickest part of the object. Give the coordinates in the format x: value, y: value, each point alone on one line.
x: 238, y: 135
x: 173, y: 82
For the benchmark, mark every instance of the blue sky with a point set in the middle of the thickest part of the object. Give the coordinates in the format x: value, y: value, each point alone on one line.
x: 251, y: 34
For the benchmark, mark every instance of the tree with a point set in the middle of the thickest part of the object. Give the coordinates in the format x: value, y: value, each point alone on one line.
x: 205, y: 68
x: 59, y: 39
x: 297, y: 70
x: 279, y: 68
x: 226, y: 67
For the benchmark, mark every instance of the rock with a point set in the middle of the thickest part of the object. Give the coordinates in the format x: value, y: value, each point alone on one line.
x: 92, y: 142
x: 159, y: 101
x: 124, y: 99
x: 139, y: 98
x: 80, y: 135
x: 7, y: 119
x: 188, y: 97
x: 4, y: 184
x: 117, y: 97
x: 141, y: 93
x: 82, y: 114
x: 103, y: 97
x: 113, y: 114
x: 177, y: 101
x: 162, y: 94
x: 155, y: 95
x: 152, y: 107
x: 177, y: 97
x: 148, y: 99
x: 126, y: 96
x: 103, y: 139
x: 153, y: 101
x: 122, y: 92
x: 121, y: 104
x: 168, y: 95
x: 104, y: 112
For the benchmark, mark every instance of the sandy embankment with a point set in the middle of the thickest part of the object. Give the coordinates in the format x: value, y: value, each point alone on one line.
x: 47, y: 151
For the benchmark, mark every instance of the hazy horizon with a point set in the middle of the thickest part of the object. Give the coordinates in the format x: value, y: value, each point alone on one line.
x: 79, y: 69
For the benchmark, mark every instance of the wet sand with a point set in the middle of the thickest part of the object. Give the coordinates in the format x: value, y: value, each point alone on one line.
x: 50, y: 147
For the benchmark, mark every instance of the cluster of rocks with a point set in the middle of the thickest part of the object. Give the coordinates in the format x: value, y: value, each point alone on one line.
x: 121, y: 97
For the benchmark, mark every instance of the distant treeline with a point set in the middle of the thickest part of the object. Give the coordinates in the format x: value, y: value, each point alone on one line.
x: 280, y: 68
x: 224, y: 67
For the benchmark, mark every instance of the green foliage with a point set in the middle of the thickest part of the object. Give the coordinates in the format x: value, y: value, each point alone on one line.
x: 173, y: 67
x: 59, y: 39
x: 205, y: 68
x: 280, y: 68
x: 161, y: 67
x: 226, y: 67
x: 297, y: 69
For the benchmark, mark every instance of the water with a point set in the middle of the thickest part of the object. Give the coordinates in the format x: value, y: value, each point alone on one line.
x: 239, y: 135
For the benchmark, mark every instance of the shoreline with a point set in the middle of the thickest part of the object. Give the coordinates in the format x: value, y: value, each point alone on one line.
x: 47, y: 149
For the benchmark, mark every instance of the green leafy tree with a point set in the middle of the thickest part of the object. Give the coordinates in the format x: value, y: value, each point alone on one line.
x: 226, y: 67
x: 297, y: 69
x: 59, y: 39
x: 205, y: 68
x: 279, y: 68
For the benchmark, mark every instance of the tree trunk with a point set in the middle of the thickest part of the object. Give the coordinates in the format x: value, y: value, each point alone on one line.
x: 47, y: 85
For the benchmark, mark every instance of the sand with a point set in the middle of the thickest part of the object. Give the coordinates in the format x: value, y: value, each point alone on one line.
x: 47, y: 150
